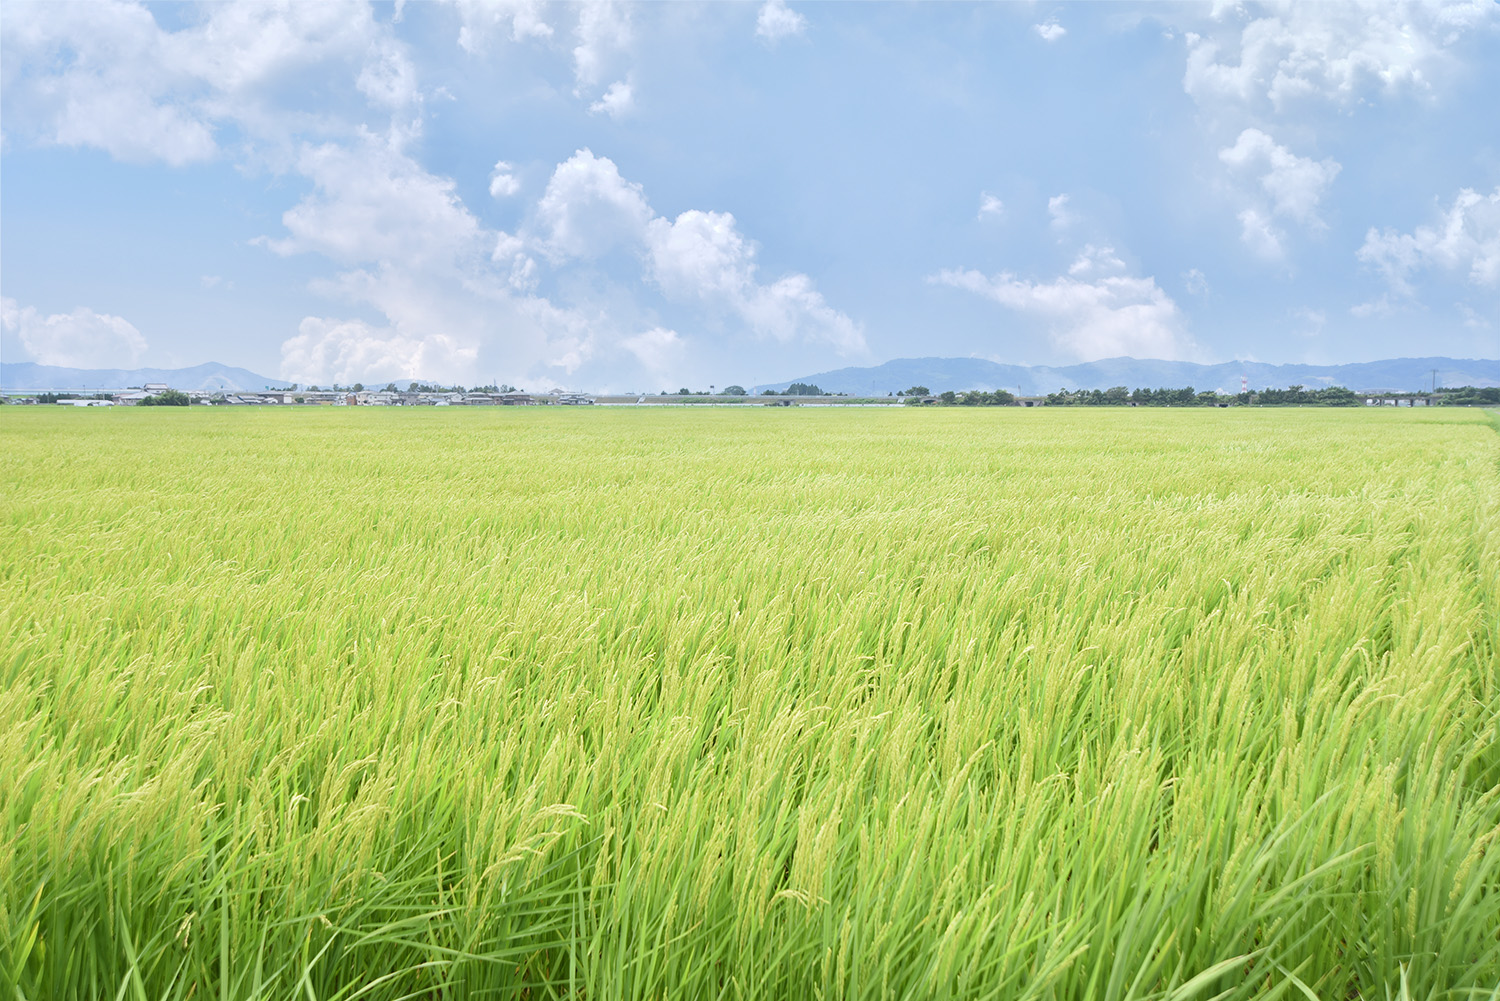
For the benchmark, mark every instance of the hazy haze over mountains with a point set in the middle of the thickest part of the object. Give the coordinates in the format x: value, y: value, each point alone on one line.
x: 940, y: 374
x: 210, y: 376
x: 937, y: 374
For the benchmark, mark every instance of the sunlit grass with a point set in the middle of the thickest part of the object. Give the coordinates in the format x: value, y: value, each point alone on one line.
x: 749, y: 704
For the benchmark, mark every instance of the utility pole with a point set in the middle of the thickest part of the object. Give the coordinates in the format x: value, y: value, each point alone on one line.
x: 1434, y: 382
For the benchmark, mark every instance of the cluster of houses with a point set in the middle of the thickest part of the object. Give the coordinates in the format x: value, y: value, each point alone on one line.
x: 328, y: 398
x: 377, y: 398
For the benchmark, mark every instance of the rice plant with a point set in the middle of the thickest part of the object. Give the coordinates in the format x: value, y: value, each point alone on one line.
x: 757, y: 704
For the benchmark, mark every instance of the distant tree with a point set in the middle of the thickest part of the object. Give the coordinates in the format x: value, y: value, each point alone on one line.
x: 1117, y: 396
x: 948, y: 398
x: 978, y: 398
x: 768, y: 392
x: 313, y: 389
x: 390, y: 387
x: 803, y: 389
x: 167, y: 398
x: 735, y: 391
x: 1338, y: 396
x: 918, y: 391
x: 358, y: 387
x: 47, y: 397
x: 684, y: 392
x: 1458, y: 396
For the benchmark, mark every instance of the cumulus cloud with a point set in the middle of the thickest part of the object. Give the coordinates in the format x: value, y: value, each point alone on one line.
x: 777, y: 21
x: 1294, y: 184
x: 588, y: 209
x: 327, y: 350
x: 480, y: 20
x: 1195, y: 281
x: 109, y: 76
x: 503, y: 183
x: 658, y: 349
x: 990, y: 206
x: 618, y: 101
x: 1050, y: 31
x: 603, y: 31
x: 1094, y: 260
x: 373, y: 203
x: 1328, y: 52
x: 702, y: 255
x: 1108, y: 317
x: 510, y: 250
x: 80, y: 339
x: 1466, y: 239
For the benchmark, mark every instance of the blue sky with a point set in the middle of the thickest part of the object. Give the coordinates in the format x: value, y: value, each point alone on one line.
x: 643, y: 197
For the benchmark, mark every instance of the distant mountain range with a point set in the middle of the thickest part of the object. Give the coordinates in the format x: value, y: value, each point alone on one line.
x: 937, y: 374
x: 212, y: 376
x: 940, y: 374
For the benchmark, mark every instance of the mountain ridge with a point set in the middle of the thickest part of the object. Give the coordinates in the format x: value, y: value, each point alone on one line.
x: 941, y: 374
x: 208, y: 376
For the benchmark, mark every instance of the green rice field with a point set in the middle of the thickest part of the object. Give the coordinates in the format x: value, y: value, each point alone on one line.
x: 546, y: 703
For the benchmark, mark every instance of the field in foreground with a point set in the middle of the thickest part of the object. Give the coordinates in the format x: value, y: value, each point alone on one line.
x: 778, y: 704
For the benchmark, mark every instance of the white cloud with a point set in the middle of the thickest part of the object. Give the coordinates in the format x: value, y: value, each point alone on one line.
x: 1096, y: 260
x: 1294, y: 184
x: 1329, y: 52
x: 777, y: 21
x: 374, y: 203
x: 702, y: 255
x: 108, y: 76
x: 503, y: 183
x: 1466, y: 239
x: 507, y: 247
x: 1195, y: 281
x: 990, y: 206
x: 603, y: 30
x: 1105, y: 318
x: 388, y: 78
x: 80, y: 339
x: 1062, y: 216
x: 1257, y: 233
x: 346, y: 351
x: 481, y: 19
x: 1051, y: 31
x: 589, y: 209
x: 1375, y: 307
x: 618, y: 100
x: 658, y: 349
